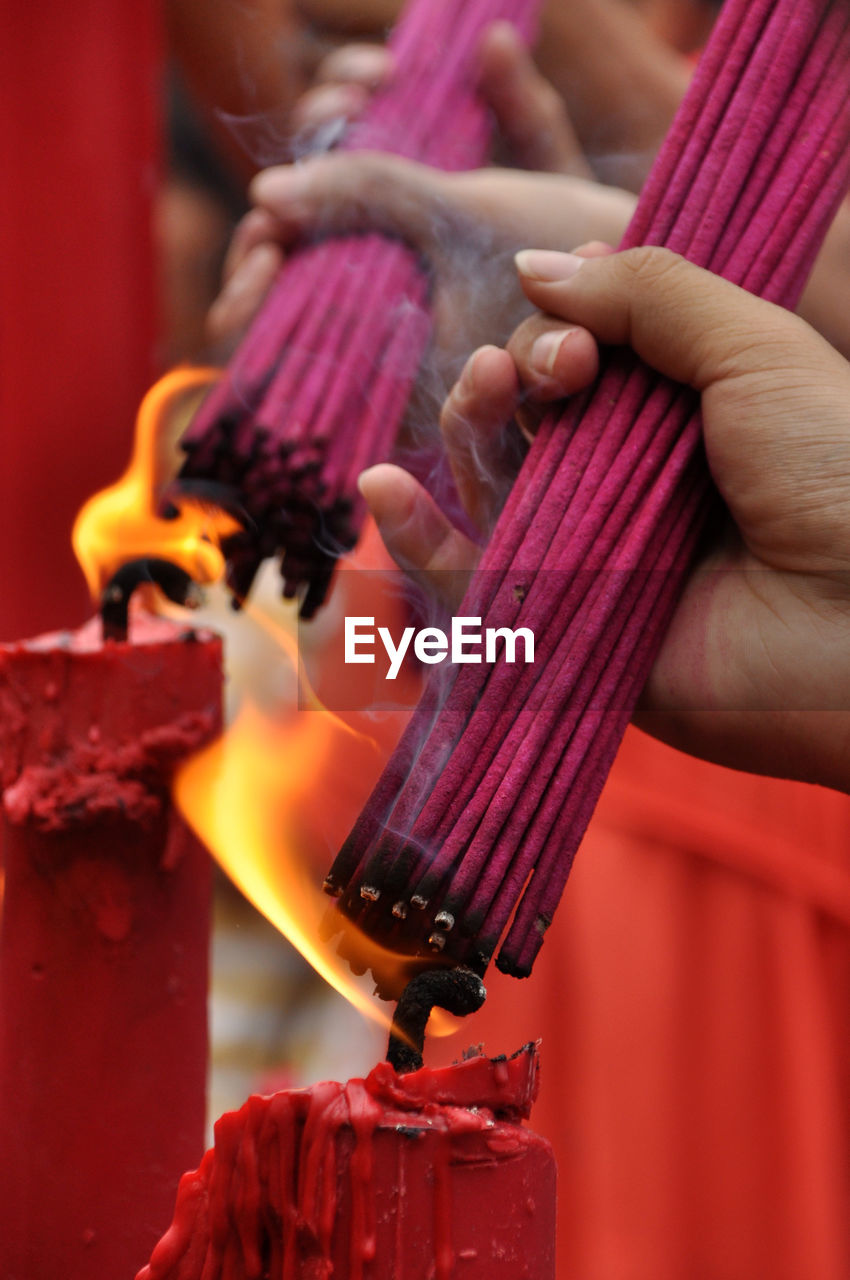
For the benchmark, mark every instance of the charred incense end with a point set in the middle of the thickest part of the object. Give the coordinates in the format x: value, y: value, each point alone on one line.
x: 400, y: 910
x: 331, y: 888
x: 458, y: 991
x: 436, y: 941
x: 369, y: 893
x: 418, y: 902
x: 172, y: 581
x: 444, y: 920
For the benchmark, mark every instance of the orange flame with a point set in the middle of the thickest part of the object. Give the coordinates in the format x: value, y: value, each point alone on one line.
x: 272, y: 796
x: 248, y: 798
x: 121, y: 522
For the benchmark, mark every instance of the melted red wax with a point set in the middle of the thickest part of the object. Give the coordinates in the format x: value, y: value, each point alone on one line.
x: 82, y: 736
x: 426, y: 1176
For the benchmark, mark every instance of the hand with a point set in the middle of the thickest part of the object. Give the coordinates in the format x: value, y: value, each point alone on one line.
x: 467, y: 224
x: 754, y: 672
x: 532, y: 125
x: 464, y: 223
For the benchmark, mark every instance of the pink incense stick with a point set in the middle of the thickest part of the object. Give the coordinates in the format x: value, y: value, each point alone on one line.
x: 479, y: 814
x: 317, y: 390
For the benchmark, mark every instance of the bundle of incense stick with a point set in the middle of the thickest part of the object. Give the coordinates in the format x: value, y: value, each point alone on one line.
x: 479, y: 812
x: 317, y: 389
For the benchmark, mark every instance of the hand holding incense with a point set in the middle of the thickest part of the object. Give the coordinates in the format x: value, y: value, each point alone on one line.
x: 316, y: 391
x: 479, y: 813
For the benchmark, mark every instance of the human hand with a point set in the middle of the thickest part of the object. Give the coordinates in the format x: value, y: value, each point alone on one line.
x: 533, y: 129
x: 754, y: 671
x: 468, y: 225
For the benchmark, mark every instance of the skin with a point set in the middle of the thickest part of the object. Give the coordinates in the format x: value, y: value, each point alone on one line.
x: 247, y: 64
x: 533, y: 127
x: 736, y: 681
x: 467, y: 224
x: 754, y: 671
x: 485, y: 215
x: 761, y: 705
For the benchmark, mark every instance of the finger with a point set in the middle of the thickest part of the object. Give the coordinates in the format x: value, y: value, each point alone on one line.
x: 774, y: 392
x: 418, y: 536
x: 687, y: 323
x: 553, y: 360
x: 531, y: 114
x: 475, y: 423
x: 370, y: 65
x: 344, y: 192
x: 257, y: 227
x: 244, y: 293
x: 329, y: 104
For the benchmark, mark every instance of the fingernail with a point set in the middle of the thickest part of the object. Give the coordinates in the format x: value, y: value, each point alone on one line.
x: 545, y: 350
x: 546, y: 265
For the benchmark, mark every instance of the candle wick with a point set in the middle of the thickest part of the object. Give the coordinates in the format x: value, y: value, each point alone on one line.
x: 458, y: 991
x: 172, y: 581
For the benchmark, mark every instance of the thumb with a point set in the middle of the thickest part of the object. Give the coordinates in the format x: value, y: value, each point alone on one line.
x: 774, y: 392
x: 355, y: 192
x: 685, y: 322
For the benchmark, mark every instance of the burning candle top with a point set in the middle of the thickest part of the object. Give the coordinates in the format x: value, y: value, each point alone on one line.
x: 102, y: 743
x: 419, y: 1176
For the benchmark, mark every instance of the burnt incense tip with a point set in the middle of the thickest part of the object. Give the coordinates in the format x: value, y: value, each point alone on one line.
x: 172, y: 581
x: 369, y: 893
x: 444, y: 920
x: 512, y: 967
x: 458, y: 991
x: 436, y: 941
x: 331, y: 888
x: 225, y: 497
x: 400, y: 910
x: 418, y: 902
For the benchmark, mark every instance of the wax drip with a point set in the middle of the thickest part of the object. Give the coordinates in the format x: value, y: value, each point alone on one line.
x: 172, y: 581
x: 288, y: 1171
x: 458, y: 991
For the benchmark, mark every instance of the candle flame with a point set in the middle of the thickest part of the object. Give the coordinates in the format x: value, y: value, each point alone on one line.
x: 250, y: 798
x: 122, y: 522
x: 277, y: 791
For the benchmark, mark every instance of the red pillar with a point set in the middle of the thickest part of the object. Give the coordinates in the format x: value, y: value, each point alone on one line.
x: 79, y: 129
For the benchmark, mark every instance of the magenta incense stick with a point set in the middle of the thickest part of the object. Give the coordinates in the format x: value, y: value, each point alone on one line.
x: 317, y: 390
x: 473, y: 827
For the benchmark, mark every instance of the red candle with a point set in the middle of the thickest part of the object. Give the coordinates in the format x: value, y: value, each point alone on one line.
x: 424, y: 1176
x: 103, y: 945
